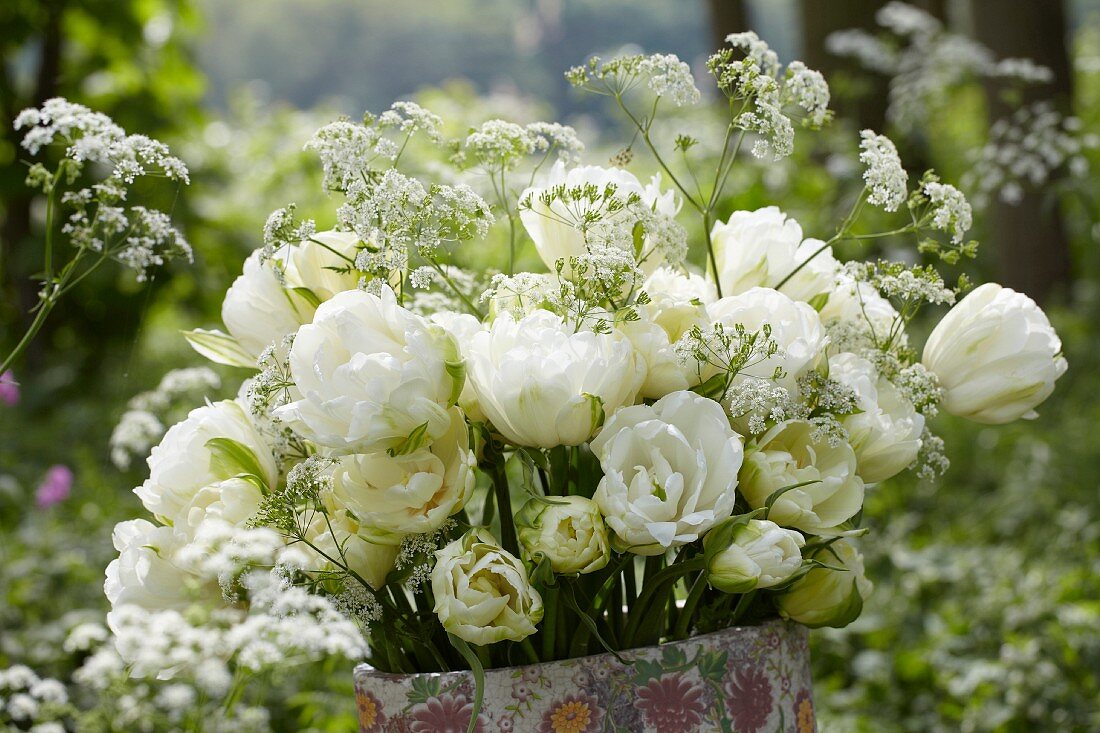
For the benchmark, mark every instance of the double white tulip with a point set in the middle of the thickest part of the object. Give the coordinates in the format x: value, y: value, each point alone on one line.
x: 372, y: 376
x: 145, y: 572
x: 482, y: 592
x: 392, y: 496
x: 261, y: 307
x: 886, y: 433
x: 760, y: 248
x: 336, y: 542
x: 557, y: 229
x: 191, y: 479
x: 761, y: 554
x: 826, y: 596
x: 567, y: 530
x: 795, y: 328
x: 543, y: 384
x: 670, y: 472
x: 996, y: 356
x: 787, y: 455
x: 677, y: 303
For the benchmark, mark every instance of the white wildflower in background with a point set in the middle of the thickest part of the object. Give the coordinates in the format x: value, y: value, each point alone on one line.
x: 757, y: 49
x: 1025, y: 150
x: 551, y: 136
x: 411, y: 118
x: 883, y: 173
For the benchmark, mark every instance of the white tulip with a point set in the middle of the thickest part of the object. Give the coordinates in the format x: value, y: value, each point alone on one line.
x: 322, y: 264
x: 760, y: 248
x: 787, y: 455
x: 556, y: 229
x: 886, y: 433
x: 482, y: 592
x: 392, y: 496
x: 190, y: 478
x: 337, y: 536
x: 670, y: 472
x: 372, y: 376
x: 258, y: 311
x: 145, y: 572
x: 676, y: 304
x: 996, y: 356
x: 543, y: 384
x: 761, y: 554
x: 568, y: 530
x: 858, y: 302
x: 828, y: 597
x: 463, y: 327
x: 796, y: 330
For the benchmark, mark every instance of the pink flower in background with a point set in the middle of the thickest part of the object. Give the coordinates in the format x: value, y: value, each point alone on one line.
x: 9, y: 389
x: 55, y: 487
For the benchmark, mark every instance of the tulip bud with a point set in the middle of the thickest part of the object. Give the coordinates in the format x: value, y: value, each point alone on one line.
x: 761, y: 554
x: 482, y: 592
x: 828, y: 596
x: 568, y: 530
x: 996, y: 356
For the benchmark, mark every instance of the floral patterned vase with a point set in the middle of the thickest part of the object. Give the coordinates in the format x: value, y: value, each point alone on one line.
x: 752, y: 679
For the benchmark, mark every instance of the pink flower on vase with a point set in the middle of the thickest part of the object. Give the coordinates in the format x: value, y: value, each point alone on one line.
x: 671, y: 704
x: 55, y: 487
x: 444, y: 714
x: 9, y: 389
x: 749, y: 699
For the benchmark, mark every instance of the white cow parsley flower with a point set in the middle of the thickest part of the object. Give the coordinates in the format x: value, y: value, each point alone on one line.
x: 884, y: 175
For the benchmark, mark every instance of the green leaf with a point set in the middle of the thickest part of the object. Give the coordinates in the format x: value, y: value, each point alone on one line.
x: 413, y: 442
x: 479, y: 677
x: 220, y: 348
x: 774, y: 497
x: 713, y: 666
x: 646, y: 670
x: 571, y: 601
x: 713, y: 388
x: 307, y: 295
x: 456, y: 370
x: 818, y: 301
x: 229, y: 458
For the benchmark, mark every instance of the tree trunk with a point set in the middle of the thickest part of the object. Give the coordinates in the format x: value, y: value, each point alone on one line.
x: 726, y: 16
x: 859, y: 94
x: 1030, y: 240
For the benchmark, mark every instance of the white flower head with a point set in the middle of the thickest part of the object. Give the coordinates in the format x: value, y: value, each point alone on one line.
x: 414, y: 493
x: 883, y: 173
x: 886, y: 432
x: 542, y: 383
x: 760, y: 554
x: 372, y: 375
x: 670, y: 472
x: 215, y: 463
x: 996, y: 356
x: 795, y: 328
x: 790, y: 454
x: 482, y: 592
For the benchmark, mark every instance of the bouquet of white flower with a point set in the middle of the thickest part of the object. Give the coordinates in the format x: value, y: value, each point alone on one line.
x: 482, y: 470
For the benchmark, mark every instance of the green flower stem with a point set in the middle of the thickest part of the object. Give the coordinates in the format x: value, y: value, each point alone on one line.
x: 653, y: 585
x: 504, y: 501
x: 683, y: 620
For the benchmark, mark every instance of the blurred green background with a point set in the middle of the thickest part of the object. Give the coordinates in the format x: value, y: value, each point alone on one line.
x: 986, y: 615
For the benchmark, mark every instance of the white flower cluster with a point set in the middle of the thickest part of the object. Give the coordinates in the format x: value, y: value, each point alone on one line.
x: 951, y: 212
x: 928, y: 61
x: 1024, y: 150
x: 30, y: 702
x: 764, y: 92
x: 137, y: 237
x: 665, y: 75
x: 883, y: 173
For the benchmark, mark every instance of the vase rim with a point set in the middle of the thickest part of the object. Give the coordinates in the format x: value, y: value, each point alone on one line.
x: 365, y: 669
